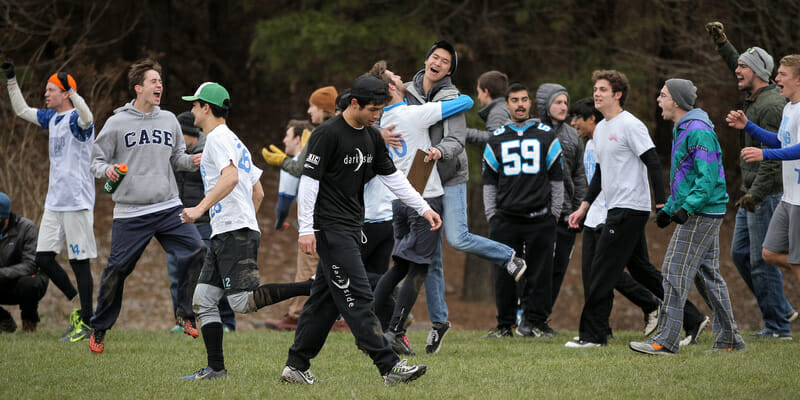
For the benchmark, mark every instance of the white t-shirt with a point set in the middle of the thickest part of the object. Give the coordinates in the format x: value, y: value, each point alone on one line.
x: 598, y: 210
x: 288, y: 183
x: 619, y: 143
x: 377, y: 201
x: 236, y: 210
x: 413, y: 122
x: 789, y: 135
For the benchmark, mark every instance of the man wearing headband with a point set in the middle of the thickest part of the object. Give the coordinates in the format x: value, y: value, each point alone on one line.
x: 68, y: 208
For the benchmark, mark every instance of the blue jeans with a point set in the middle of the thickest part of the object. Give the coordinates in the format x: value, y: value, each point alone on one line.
x: 226, y: 313
x: 454, y: 220
x: 764, y: 280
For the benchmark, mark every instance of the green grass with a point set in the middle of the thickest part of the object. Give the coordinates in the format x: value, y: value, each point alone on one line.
x: 146, y: 364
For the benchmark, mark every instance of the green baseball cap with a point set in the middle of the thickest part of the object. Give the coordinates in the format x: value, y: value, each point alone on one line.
x: 212, y: 93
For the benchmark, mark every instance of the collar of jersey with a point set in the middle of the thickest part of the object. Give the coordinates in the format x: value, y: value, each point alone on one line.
x: 520, y: 129
x: 402, y: 103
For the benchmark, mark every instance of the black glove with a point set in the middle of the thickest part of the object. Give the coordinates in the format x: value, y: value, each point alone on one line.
x: 8, y: 68
x: 662, y: 218
x: 63, y: 77
x: 680, y: 216
x: 717, y: 32
x: 749, y: 202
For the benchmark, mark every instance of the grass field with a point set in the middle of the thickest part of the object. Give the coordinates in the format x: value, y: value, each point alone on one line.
x: 146, y: 365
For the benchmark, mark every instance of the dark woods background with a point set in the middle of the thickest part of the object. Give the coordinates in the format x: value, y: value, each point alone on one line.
x: 272, y: 54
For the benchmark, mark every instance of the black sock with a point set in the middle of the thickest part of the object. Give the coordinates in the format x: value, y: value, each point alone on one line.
x: 212, y: 336
x: 272, y: 293
x: 83, y: 276
x: 46, y: 261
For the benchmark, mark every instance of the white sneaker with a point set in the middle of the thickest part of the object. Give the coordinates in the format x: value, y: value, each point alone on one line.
x: 581, y: 344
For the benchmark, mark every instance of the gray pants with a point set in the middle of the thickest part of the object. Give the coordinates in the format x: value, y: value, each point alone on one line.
x: 693, y: 255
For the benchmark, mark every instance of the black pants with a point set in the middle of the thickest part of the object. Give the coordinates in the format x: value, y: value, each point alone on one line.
x: 25, y: 291
x: 533, y: 238
x: 341, y: 287
x: 376, y: 252
x: 565, y: 240
x: 622, y: 242
x: 627, y: 286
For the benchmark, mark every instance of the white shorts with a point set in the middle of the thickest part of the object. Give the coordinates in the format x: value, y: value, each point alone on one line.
x: 74, y: 226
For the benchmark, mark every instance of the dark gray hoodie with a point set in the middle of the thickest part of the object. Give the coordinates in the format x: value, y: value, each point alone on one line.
x: 571, y: 148
x: 152, y: 146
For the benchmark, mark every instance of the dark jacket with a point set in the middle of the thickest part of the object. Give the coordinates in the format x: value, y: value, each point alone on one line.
x: 571, y: 148
x: 190, y: 183
x: 495, y: 114
x: 18, y: 248
x: 449, y: 135
x: 764, y: 108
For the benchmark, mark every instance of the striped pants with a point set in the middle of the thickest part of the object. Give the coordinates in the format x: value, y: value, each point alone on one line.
x: 693, y: 255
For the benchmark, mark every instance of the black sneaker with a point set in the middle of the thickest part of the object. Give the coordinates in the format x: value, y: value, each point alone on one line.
x: 500, y: 333
x: 694, y: 333
x: 435, y: 337
x: 527, y: 329
x: 401, y: 372
x: 400, y: 343
x: 651, y: 321
x: 516, y: 267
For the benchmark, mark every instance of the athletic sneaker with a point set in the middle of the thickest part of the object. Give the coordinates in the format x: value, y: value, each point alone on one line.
x: 694, y: 333
x: 651, y: 321
x: 81, y: 332
x: 294, y: 375
x: 527, y: 329
x: 581, y: 344
x: 435, y: 337
x: 400, y: 343
x: 207, y: 373
x: 401, y: 372
x: 176, y: 329
x: 650, y: 346
x: 72, y: 322
x: 97, y: 342
x: 770, y: 334
x: 792, y: 316
x: 499, y: 333
x: 189, y: 327
x: 516, y: 267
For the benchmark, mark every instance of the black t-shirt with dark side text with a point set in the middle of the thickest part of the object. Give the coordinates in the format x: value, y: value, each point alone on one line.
x: 343, y: 159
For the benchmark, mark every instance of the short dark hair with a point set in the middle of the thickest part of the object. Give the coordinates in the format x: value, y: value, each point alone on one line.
x: 216, y: 110
x: 378, y: 100
x: 299, y: 126
x: 516, y: 87
x: 495, y: 82
x: 343, y: 100
x: 584, y: 108
x: 137, y: 71
x: 618, y: 81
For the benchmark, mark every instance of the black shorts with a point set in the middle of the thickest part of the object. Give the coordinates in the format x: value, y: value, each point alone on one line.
x: 231, y: 261
x: 414, y: 240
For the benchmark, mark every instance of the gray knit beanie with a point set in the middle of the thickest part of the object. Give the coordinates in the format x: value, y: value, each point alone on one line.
x: 759, y: 61
x: 683, y: 92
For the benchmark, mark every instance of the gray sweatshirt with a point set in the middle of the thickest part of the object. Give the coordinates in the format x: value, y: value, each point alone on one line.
x: 449, y: 135
x: 575, y: 184
x: 495, y: 114
x: 151, y: 145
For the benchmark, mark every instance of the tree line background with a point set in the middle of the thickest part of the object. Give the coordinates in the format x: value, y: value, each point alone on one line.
x: 272, y: 55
